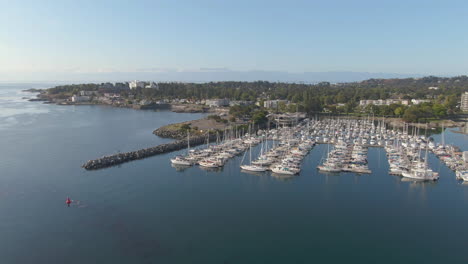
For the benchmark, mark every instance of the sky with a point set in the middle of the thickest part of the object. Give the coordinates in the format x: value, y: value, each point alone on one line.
x: 99, y: 39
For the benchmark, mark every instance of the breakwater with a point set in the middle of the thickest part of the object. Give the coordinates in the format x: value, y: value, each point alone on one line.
x: 119, y: 158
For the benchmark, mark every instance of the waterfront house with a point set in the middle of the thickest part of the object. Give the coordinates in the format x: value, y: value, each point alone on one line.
x: 79, y: 99
x: 217, y: 102
x: 87, y: 93
x: 112, y: 95
x: 145, y: 102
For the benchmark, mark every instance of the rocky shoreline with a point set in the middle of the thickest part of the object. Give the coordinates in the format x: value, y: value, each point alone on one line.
x: 164, y: 133
x: 177, y: 108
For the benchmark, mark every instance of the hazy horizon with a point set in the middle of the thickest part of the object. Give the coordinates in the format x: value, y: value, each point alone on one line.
x: 207, y: 76
x: 300, y: 41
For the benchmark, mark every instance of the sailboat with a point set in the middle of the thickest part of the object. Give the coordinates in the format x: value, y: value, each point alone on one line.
x: 263, y: 159
x: 421, y: 171
x: 181, y: 160
x: 252, y: 167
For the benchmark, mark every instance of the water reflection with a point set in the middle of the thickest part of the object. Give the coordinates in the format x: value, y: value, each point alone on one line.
x: 218, y: 169
x: 256, y: 173
x: 282, y: 177
x: 333, y: 174
x: 417, y: 182
x: 180, y: 167
x: 464, y: 183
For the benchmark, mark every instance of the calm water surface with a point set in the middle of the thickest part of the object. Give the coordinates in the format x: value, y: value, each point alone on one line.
x: 148, y: 212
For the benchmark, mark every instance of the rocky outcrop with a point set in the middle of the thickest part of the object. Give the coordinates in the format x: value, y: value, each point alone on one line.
x: 167, y: 133
x: 38, y: 100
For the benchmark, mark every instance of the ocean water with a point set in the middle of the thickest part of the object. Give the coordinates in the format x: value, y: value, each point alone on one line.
x: 148, y: 212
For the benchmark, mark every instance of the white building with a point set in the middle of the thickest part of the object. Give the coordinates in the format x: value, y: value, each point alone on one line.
x: 135, y: 84
x: 274, y: 103
x: 464, y: 102
x: 112, y: 95
x: 419, y: 101
x: 79, y: 99
x: 233, y: 103
x: 152, y: 85
x: 145, y: 102
x: 383, y: 102
x: 217, y: 102
x: 87, y: 93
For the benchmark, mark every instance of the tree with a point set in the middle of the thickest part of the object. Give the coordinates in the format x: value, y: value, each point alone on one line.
x: 349, y: 106
x: 259, y: 117
x: 439, y: 110
x: 399, y: 111
x: 411, y: 114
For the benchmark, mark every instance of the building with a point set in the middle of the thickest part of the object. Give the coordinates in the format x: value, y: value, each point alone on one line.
x: 464, y: 102
x: 217, y: 102
x: 152, y: 85
x: 136, y: 84
x: 383, y: 102
x: 79, y: 99
x: 87, y: 93
x: 112, y: 95
x: 419, y: 101
x: 286, y: 118
x: 433, y: 88
x: 274, y: 103
x: 145, y: 102
x: 233, y: 103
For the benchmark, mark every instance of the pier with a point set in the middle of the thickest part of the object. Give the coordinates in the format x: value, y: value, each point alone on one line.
x: 119, y: 158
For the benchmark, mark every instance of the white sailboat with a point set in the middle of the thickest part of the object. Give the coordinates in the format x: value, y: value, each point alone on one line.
x: 252, y: 167
x: 181, y: 160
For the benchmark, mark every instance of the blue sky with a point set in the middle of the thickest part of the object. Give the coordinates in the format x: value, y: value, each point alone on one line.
x: 83, y: 37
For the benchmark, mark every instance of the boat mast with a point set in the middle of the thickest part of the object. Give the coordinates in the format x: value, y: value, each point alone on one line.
x: 188, y: 142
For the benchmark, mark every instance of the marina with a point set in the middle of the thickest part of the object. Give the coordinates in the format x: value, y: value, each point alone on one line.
x: 146, y: 210
x: 233, y: 132
x: 283, y: 149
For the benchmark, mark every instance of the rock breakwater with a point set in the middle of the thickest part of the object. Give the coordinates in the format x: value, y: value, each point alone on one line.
x: 119, y: 158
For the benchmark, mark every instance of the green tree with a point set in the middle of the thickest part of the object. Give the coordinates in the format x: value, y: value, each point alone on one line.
x: 439, y: 110
x: 399, y: 111
x: 259, y: 117
x: 411, y: 114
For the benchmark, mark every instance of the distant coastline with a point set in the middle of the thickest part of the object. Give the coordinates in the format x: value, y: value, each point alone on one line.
x: 422, y: 102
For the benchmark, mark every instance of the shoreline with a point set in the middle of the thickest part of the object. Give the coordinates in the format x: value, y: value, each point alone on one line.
x: 174, y: 107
